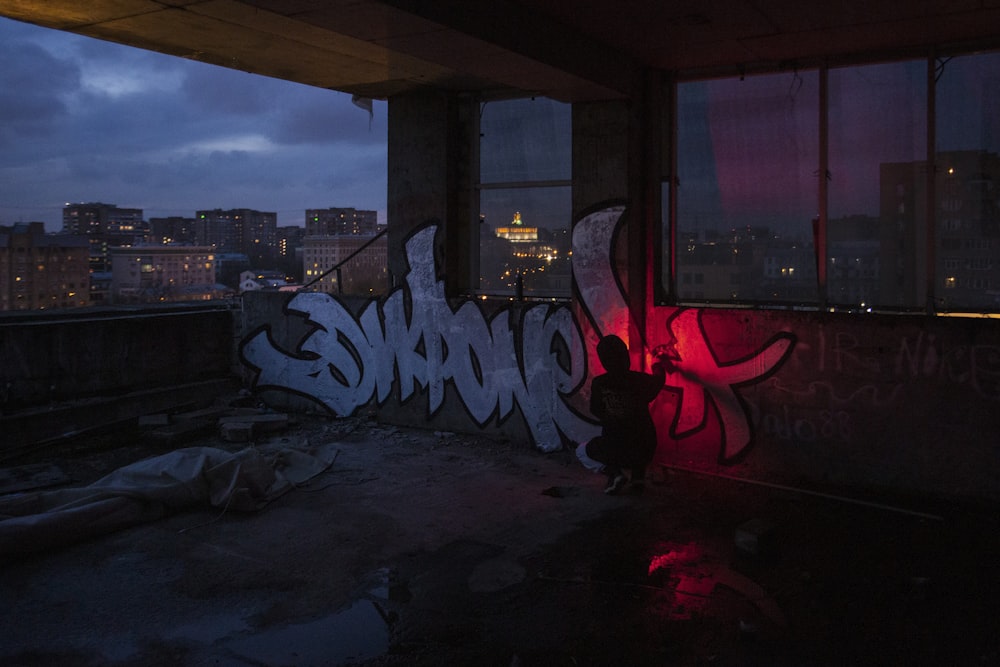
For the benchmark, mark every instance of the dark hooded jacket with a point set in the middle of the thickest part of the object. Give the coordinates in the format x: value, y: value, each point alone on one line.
x: 620, y: 399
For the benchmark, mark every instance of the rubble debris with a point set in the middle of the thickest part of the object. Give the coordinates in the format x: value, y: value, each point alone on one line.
x: 236, y: 431
x: 231, y: 424
x: 177, y: 432
x: 209, y: 414
x: 270, y: 422
x: 248, y: 427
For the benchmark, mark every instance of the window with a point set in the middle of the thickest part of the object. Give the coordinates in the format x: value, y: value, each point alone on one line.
x: 876, y: 175
x: 746, y: 195
x: 524, y: 198
x: 967, y: 175
x: 767, y: 177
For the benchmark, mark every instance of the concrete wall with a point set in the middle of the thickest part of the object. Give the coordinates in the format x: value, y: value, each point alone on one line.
x: 906, y: 404
x: 901, y: 404
x: 66, y: 375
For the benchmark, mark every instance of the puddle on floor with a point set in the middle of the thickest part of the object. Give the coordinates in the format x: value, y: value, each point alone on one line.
x: 208, y: 629
x: 119, y: 648
x: 359, y: 632
x: 356, y: 633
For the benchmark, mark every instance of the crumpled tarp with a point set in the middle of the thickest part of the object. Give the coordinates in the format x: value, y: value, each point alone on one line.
x: 150, y: 489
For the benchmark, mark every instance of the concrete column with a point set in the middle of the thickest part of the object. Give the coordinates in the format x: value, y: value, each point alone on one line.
x: 600, y: 154
x: 430, y: 180
x: 617, y: 157
x: 644, y: 201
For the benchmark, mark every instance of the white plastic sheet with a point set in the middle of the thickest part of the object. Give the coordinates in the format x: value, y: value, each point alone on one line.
x: 180, y: 480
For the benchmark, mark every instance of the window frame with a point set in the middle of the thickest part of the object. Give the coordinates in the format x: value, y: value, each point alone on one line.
x: 475, y: 287
x: 668, y: 269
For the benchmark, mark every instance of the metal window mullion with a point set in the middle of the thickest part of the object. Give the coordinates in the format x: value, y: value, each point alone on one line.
x: 823, y: 193
x: 931, y: 198
x: 474, y: 281
x: 672, y: 187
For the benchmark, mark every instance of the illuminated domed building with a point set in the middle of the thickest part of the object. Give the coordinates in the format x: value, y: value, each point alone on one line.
x: 517, y: 232
x: 529, y: 254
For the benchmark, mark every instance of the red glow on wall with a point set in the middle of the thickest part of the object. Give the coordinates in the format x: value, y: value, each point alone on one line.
x: 706, y: 385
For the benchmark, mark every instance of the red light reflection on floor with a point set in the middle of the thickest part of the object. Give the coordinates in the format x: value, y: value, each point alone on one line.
x: 677, y: 554
x: 693, y: 573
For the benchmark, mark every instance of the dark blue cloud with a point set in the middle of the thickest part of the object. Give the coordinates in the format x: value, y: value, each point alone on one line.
x: 85, y: 120
x: 318, y: 120
x: 220, y: 91
x: 33, y: 86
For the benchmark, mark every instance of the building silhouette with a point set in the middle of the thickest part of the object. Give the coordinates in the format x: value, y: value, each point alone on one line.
x: 105, y: 226
x: 363, y: 259
x: 40, y: 271
x: 172, y: 229
x: 159, y: 273
x: 290, y: 251
x: 346, y: 237
x: 853, y: 261
x: 967, y: 233
x: 240, y: 230
x: 340, y: 221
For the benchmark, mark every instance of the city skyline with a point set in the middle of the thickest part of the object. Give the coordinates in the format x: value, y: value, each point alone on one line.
x: 82, y: 120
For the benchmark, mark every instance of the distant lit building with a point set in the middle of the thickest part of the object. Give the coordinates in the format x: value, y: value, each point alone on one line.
x: 40, y: 271
x: 967, y: 215
x: 157, y: 273
x: 241, y: 230
x: 517, y: 231
x: 106, y: 226
x: 853, y: 259
x: 968, y: 230
x: 229, y: 266
x: 526, y: 259
x: 255, y: 281
x: 100, y: 288
x: 365, y: 273
x: 745, y: 264
x: 172, y: 229
x: 290, y: 251
x: 340, y: 221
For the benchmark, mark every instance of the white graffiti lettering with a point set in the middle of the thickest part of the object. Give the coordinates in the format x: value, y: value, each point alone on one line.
x: 419, y: 342
x: 344, y: 362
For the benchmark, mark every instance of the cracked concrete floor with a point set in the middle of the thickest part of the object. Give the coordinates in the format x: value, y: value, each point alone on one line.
x: 424, y: 548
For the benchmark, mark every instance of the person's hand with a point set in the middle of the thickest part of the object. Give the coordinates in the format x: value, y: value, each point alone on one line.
x: 664, y: 365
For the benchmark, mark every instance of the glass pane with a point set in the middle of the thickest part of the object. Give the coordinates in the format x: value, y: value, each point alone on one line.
x: 968, y: 184
x: 525, y: 140
x: 665, y: 237
x: 747, y: 162
x: 525, y: 232
x: 876, y: 231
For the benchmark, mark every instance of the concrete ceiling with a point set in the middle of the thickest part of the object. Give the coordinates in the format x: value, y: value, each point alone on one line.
x: 570, y: 50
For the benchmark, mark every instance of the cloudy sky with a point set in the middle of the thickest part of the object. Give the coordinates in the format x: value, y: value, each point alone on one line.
x: 83, y: 120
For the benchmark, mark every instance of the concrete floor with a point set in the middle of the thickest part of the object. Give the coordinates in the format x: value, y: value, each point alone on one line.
x: 422, y: 548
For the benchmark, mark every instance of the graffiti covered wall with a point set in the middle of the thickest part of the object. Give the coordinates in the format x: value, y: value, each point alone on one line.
x: 415, y: 341
x: 905, y: 403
